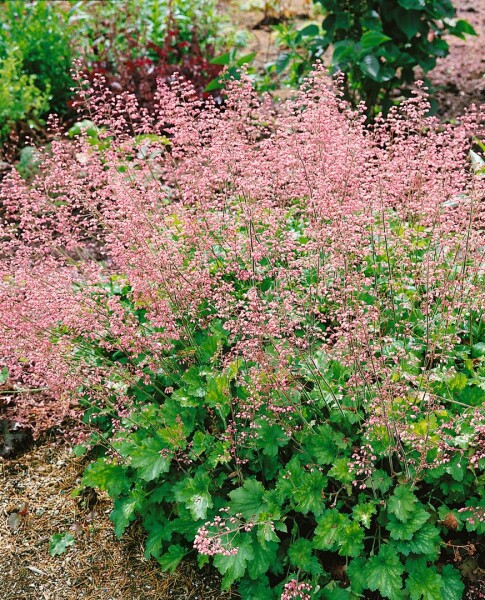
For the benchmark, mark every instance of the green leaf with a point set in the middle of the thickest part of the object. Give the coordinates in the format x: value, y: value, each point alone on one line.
x: 223, y: 59
x: 340, y: 471
x: 171, y: 559
x: 404, y: 530
x: 351, y: 540
x: 409, y: 22
x: 311, y: 30
x: 307, y: 495
x: 331, y: 592
x: 264, y: 557
x: 213, y: 85
x: 248, y: 499
x: 59, y: 543
x: 463, y: 27
x: 194, y: 493
x: 402, y: 502
x: 380, y: 480
x: 478, y: 350
x: 458, y: 382
x: 234, y: 566
x: 452, y: 585
x: 301, y: 556
x: 325, y: 444
x: 456, y: 469
x: 384, y: 573
x: 329, y: 530
x: 3, y: 375
x: 412, y: 4
x: 423, y: 582
x: 372, y: 39
x: 123, y: 513
x: 79, y: 450
x: 150, y: 460
x: 363, y: 512
x: 256, y: 590
x: 370, y: 66
x: 247, y: 58
x: 217, y: 394
x: 270, y: 437
x: 357, y: 575
x: 425, y: 541
x: 159, y: 531
x: 108, y: 477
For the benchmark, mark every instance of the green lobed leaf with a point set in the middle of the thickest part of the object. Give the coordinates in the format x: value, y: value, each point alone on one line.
x: 384, y: 573
x: 107, y: 476
x: 248, y: 499
x: 401, y: 503
x: 234, y: 566
x: 159, y: 531
x: 150, y: 460
x: 404, y: 530
x: 425, y: 541
x: 357, y: 575
x: 363, y: 512
x: 194, y: 493
x: 452, y: 585
x: 329, y: 529
x: 59, y: 543
x: 171, y: 559
x: 256, y: 590
x: 264, y: 558
x: 352, y: 540
x: 325, y: 444
x: 123, y: 513
x: 307, y: 493
x: 300, y: 555
x: 423, y: 582
x: 270, y: 437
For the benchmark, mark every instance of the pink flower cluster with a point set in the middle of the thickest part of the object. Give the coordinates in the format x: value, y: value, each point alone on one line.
x: 220, y: 535
x: 296, y: 590
x: 296, y: 226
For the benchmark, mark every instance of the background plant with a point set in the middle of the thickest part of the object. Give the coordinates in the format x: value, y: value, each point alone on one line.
x: 378, y: 44
x: 152, y: 40
x: 36, y: 61
x: 273, y: 324
x: 20, y: 98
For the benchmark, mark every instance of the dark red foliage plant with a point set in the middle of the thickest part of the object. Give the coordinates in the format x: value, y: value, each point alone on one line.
x: 138, y: 69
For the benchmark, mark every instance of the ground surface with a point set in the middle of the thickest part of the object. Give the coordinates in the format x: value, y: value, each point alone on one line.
x: 35, y: 487
x: 36, y: 502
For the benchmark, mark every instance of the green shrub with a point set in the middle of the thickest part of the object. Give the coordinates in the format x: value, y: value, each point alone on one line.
x: 20, y: 98
x: 377, y: 44
x: 40, y: 31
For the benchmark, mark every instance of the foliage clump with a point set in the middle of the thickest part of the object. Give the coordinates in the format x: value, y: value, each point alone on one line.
x: 272, y: 320
x: 35, y: 62
x: 377, y: 44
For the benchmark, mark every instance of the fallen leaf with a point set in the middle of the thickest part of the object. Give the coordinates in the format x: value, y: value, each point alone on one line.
x: 14, y: 521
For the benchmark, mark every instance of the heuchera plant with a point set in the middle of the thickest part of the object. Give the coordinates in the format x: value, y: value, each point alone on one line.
x: 272, y: 320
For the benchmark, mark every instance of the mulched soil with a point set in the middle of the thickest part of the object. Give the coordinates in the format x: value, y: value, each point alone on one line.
x: 459, y: 78
x: 36, y: 503
x: 36, y: 486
